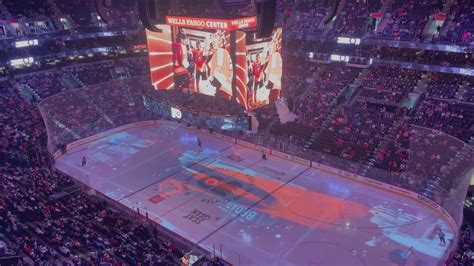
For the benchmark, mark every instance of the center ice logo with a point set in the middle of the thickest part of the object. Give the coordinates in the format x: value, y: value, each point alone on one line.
x: 220, y: 187
x: 221, y: 183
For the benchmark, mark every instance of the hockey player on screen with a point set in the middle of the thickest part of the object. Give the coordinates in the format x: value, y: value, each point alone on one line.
x: 200, y: 62
x: 258, y: 77
x: 273, y: 71
x: 180, y: 64
x: 221, y: 71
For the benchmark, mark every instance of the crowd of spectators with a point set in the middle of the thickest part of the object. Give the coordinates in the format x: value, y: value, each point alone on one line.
x: 80, y: 12
x: 89, y: 111
x: 412, y: 55
x: 33, y: 17
x: 123, y: 15
x: 28, y: 8
x: 415, y: 150
x: 393, y: 79
x: 136, y: 66
x: 336, y: 116
x: 405, y: 20
x: 45, y: 217
x: 464, y: 254
x: 45, y: 83
x: 89, y: 74
x: 469, y: 94
x: 317, y: 104
x: 354, y: 133
x: 197, y: 102
x: 390, y: 84
x: 306, y: 16
x: 77, y: 228
x: 462, y: 25
x: 444, y: 86
x: 449, y: 116
x: 354, y: 18
x: 409, y: 18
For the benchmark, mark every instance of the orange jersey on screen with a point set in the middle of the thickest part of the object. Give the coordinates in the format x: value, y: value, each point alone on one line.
x: 257, y: 70
x: 199, y: 59
x: 178, y: 59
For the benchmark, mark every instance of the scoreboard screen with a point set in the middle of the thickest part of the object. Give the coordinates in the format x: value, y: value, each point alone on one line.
x: 229, y: 64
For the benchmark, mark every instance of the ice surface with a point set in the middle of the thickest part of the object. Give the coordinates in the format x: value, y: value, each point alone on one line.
x: 259, y: 212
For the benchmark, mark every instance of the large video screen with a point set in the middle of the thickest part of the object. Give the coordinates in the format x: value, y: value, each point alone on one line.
x: 265, y: 67
x: 219, y: 63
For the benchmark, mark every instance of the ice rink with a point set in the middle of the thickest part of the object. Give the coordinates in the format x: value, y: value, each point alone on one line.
x: 224, y: 196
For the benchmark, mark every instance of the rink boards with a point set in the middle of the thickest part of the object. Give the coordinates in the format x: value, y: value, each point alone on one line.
x: 279, y: 211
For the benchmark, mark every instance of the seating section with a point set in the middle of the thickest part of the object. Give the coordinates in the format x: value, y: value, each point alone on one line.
x: 373, y: 113
x: 444, y: 86
x: 44, y: 83
x: 136, y: 66
x: 47, y: 231
x: 355, y: 132
x: 28, y: 8
x: 461, y: 29
x: 89, y: 74
x: 79, y: 228
x: 409, y: 18
x: 469, y: 95
x: 308, y: 17
x: 390, y: 84
x: 198, y: 102
x: 451, y: 117
x: 80, y: 12
x: 320, y: 99
x: 392, y: 79
x: 354, y: 18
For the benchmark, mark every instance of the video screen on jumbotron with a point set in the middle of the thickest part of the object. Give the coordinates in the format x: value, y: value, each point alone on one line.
x: 229, y: 64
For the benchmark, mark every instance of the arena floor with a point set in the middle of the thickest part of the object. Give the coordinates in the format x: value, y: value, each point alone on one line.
x: 258, y: 212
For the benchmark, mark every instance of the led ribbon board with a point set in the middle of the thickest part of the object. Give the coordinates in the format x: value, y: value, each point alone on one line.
x: 212, y: 24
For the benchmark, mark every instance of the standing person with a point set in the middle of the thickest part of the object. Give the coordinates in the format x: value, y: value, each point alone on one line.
x: 221, y: 71
x: 180, y: 64
x: 264, y: 155
x: 441, y: 236
x: 84, y: 161
x: 258, y: 69
x: 199, y: 143
x: 407, y: 255
x: 200, y: 62
x: 274, y: 73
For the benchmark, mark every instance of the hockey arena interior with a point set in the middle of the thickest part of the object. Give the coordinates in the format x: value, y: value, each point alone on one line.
x: 237, y: 132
